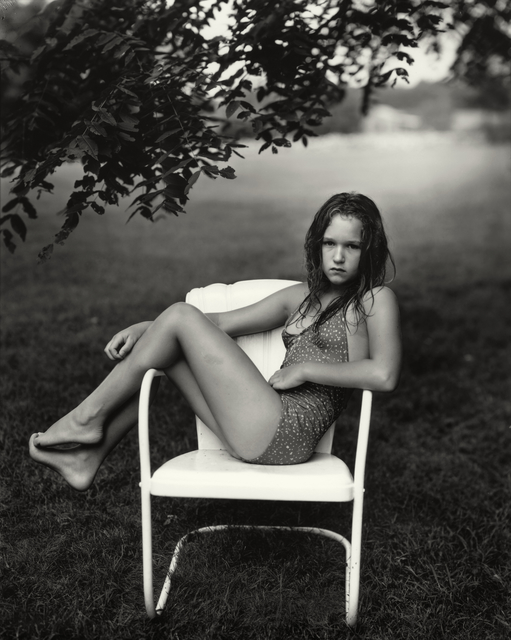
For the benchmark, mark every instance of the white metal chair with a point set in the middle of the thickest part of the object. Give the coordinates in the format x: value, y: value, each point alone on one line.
x: 210, y: 472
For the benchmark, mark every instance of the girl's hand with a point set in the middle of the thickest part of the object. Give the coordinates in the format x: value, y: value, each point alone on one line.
x: 124, y: 341
x: 287, y: 378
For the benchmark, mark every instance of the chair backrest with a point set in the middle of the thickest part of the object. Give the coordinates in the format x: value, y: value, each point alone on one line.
x: 265, y: 349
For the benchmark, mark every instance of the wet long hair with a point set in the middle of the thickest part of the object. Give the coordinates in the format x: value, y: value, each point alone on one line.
x: 374, y: 257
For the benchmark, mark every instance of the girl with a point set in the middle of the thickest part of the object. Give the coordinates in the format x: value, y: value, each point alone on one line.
x: 341, y: 332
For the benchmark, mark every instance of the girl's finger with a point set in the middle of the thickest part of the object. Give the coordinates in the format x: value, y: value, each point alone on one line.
x: 111, y: 349
x: 111, y: 354
x: 126, y: 348
x: 274, y: 379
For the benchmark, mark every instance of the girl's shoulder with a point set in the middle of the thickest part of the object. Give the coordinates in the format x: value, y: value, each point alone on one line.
x: 380, y: 298
x: 382, y: 292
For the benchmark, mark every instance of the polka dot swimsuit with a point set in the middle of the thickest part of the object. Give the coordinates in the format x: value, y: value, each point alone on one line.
x: 310, y: 409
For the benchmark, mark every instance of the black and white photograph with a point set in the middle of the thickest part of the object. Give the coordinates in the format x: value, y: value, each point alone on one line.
x: 255, y: 311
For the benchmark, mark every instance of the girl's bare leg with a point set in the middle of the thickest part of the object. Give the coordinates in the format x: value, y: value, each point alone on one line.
x: 79, y: 466
x: 182, y: 377
x: 244, y: 407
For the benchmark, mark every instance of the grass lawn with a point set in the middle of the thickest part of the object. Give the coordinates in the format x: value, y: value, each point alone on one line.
x: 437, y: 536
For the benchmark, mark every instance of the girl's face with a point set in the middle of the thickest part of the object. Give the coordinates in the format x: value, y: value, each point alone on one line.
x: 341, y: 249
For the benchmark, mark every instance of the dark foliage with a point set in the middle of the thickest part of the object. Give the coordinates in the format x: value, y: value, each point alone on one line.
x: 133, y: 89
x: 483, y: 58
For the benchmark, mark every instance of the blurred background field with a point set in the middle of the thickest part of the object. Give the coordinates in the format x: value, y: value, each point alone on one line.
x: 436, y: 560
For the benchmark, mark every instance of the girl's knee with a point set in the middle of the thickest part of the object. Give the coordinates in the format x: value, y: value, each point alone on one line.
x: 181, y: 312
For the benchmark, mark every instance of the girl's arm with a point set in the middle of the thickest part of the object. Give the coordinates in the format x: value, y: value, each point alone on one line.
x: 378, y: 372
x: 269, y: 313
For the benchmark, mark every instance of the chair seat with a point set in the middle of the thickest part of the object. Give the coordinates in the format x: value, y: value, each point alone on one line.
x: 212, y: 473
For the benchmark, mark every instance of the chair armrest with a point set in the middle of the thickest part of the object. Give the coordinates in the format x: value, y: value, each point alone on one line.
x: 143, y: 423
x: 362, y: 440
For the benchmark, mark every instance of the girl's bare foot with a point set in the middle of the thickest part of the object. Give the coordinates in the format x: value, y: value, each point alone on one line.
x: 77, y: 466
x: 70, y: 430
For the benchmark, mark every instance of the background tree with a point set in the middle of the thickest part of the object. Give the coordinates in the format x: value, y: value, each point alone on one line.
x: 135, y: 91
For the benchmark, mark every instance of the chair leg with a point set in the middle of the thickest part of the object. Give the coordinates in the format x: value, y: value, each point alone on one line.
x: 354, y: 562
x: 147, y: 554
x: 352, y: 589
x: 351, y: 599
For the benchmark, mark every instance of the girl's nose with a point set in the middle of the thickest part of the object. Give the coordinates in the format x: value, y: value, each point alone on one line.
x: 339, y: 255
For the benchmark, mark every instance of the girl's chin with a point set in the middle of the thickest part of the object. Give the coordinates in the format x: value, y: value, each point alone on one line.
x: 338, y: 282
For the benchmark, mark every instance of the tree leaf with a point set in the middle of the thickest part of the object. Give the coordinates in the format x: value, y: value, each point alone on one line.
x: 8, y: 171
x: 175, y: 186
x: 228, y: 172
x: 45, y: 253
x: 97, y: 208
x: 191, y: 181
x: 106, y: 37
x: 29, y: 175
x: 249, y: 107
x: 8, y: 240
x: 127, y: 126
x: 127, y: 91
x: 107, y: 117
x: 37, y: 53
x: 87, y: 145
x: 402, y: 55
x: 28, y: 207
x: 10, y: 205
x: 176, y: 168
x: 232, y: 107
x: 169, y: 133
x: 129, y: 57
x: 282, y: 142
x: 98, y: 129
x: 110, y: 45
x: 144, y: 211
x: 19, y: 226
x: 173, y: 207
x: 80, y: 38
x: 120, y: 51
x: 68, y: 227
x: 125, y: 136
